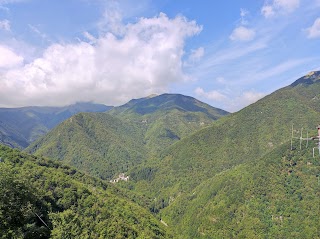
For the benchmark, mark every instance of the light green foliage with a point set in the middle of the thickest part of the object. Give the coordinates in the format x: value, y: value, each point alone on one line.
x: 97, y: 143
x: 227, y: 146
x: 235, y: 178
x: 107, y: 144
x: 277, y: 196
x: 240, y: 137
x: 71, y: 204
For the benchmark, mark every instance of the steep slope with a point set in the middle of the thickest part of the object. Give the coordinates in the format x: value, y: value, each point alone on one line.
x: 40, y: 198
x: 277, y: 196
x: 21, y: 126
x: 96, y: 143
x: 111, y: 143
x: 167, y: 118
x: 235, y: 139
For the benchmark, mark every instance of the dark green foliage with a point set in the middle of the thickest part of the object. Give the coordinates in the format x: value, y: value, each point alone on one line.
x: 21, y: 126
x: 167, y: 118
x: 235, y: 178
x: 97, y: 143
x: 277, y: 196
x: 240, y: 137
x: 107, y: 144
x: 227, y: 146
x: 20, y: 207
x: 70, y: 203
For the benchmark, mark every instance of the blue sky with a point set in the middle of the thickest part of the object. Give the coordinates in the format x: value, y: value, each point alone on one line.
x: 226, y: 53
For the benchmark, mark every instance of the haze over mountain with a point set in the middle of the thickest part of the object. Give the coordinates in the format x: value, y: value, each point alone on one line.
x: 106, y: 144
x: 160, y: 165
x: 21, y: 126
x: 234, y: 177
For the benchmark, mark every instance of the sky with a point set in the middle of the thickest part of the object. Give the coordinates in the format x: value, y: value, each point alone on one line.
x: 228, y: 54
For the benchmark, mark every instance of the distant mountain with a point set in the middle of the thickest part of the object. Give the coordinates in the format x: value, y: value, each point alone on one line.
x: 40, y: 198
x: 107, y: 144
x: 236, y: 139
x: 167, y: 118
x: 167, y: 102
x: 21, y: 126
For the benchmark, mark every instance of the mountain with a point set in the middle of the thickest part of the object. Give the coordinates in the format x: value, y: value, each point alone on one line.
x: 235, y: 177
x: 237, y: 139
x: 21, y: 126
x: 107, y: 144
x: 167, y: 118
x: 40, y: 198
x: 276, y: 196
x: 97, y: 143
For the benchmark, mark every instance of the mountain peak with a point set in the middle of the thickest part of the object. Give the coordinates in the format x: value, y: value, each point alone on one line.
x: 311, y: 78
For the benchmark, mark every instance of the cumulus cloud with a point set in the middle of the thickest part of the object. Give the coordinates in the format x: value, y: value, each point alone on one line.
x: 5, y: 25
x: 8, y: 58
x: 210, y: 95
x: 242, y: 33
x: 146, y: 59
x: 314, y: 30
x: 279, y: 7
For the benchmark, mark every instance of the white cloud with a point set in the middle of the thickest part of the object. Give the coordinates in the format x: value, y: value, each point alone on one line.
x: 196, y: 54
x: 229, y: 100
x: 90, y: 37
x: 279, y: 7
x: 8, y: 58
x: 210, y: 95
x: 243, y: 99
x: 242, y: 33
x: 314, y: 30
x: 38, y: 32
x: 146, y: 59
x: 249, y: 97
x: 267, y: 11
x: 5, y: 25
x: 243, y: 13
x: 3, y: 2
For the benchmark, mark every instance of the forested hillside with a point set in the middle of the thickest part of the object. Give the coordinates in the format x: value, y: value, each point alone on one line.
x: 21, y: 126
x: 234, y: 178
x: 276, y: 196
x: 107, y: 144
x: 96, y: 143
x: 40, y: 198
x: 237, y: 138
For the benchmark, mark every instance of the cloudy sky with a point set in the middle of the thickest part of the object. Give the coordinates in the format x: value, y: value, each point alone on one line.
x: 226, y: 53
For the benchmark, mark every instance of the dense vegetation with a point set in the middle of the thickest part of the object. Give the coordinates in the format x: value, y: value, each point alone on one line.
x: 107, y: 144
x: 98, y: 143
x: 277, y: 196
x: 234, y: 178
x: 21, y: 126
x: 232, y: 140
x: 40, y: 198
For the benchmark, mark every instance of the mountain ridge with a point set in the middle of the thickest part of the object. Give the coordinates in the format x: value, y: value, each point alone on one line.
x: 21, y: 126
x: 145, y: 134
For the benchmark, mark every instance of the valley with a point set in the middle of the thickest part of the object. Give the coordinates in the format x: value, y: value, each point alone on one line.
x: 171, y: 166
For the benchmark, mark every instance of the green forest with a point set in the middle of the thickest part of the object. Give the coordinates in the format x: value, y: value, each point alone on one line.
x: 41, y: 198
x: 193, y: 171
